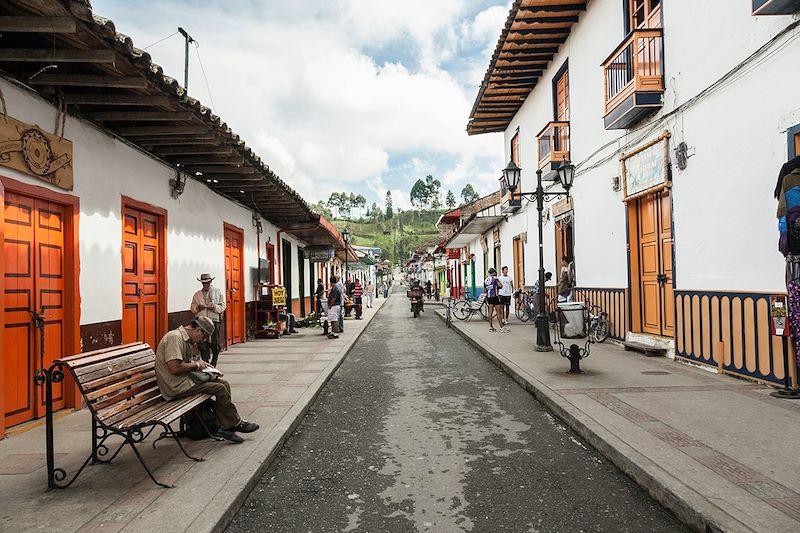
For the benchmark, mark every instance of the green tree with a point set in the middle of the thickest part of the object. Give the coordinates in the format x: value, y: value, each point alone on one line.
x: 469, y: 194
x: 345, y: 205
x: 375, y: 212
x: 321, y: 209
x: 335, y: 202
x: 389, y: 211
x: 433, y: 187
x: 361, y: 203
x: 450, y: 200
x: 419, y: 194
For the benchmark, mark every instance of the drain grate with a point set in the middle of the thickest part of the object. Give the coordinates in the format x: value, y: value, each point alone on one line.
x: 656, y: 372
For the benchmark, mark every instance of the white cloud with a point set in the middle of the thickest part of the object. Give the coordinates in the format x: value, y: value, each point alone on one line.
x: 297, y: 84
x: 401, y: 199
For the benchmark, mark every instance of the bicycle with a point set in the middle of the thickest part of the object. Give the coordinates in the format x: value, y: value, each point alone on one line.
x: 599, y: 326
x: 448, y: 310
x: 464, y: 309
x: 525, y: 305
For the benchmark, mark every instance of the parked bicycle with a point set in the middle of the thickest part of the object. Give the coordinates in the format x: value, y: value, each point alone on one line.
x: 464, y: 309
x: 599, y: 326
x: 526, y: 306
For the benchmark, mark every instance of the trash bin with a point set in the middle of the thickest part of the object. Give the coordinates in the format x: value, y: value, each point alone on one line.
x: 571, y: 319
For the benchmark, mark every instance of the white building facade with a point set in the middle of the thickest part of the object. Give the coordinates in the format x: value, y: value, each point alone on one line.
x: 678, y: 129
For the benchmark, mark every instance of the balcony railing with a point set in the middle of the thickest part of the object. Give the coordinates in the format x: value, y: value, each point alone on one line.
x: 553, y: 143
x: 636, y: 65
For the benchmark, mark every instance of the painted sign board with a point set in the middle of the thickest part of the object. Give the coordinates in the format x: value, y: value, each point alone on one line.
x: 646, y: 168
x: 278, y: 297
x: 318, y: 254
x: 34, y: 152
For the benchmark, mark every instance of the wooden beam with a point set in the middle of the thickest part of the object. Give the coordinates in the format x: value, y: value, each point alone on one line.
x: 179, y: 141
x: 189, y: 150
x: 555, y: 20
x: 40, y: 55
x: 531, y: 51
x: 578, y: 6
x: 37, y: 25
x: 207, y: 160
x: 89, y: 80
x: 221, y: 169
x: 540, y: 31
x: 151, y: 116
x: 117, y: 99
x: 549, y: 40
x: 152, y: 131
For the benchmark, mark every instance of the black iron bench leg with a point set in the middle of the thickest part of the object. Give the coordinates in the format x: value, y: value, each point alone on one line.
x: 168, y: 432
x: 129, y: 440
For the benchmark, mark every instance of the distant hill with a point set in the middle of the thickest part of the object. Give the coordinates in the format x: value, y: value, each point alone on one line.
x: 396, y: 236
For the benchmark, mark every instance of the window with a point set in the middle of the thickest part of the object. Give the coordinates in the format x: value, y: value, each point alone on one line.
x: 794, y: 141
x: 643, y: 14
x: 561, y: 93
x: 515, y: 148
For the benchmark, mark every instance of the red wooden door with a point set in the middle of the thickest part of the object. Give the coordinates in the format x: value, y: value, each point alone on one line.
x: 234, y: 313
x: 35, y: 256
x: 141, y: 277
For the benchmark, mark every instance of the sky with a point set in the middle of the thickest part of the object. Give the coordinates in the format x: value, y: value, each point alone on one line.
x: 360, y: 96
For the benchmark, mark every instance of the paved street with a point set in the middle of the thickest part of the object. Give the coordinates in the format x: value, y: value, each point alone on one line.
x: 418, y: 431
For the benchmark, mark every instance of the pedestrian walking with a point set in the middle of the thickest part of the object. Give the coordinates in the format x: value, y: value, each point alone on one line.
x: 491, y: 285
x: 341, y: 291
x: 505, y: 294
x: 335, y: 301
x: 358, y: 298
x: 565, y: 283
x: 385, y: 290
x: 370, y: 293
x: 319, y: 294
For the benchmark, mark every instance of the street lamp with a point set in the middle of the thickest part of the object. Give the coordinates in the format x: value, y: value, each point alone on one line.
x: 566, y: 175
x: 346, y: 238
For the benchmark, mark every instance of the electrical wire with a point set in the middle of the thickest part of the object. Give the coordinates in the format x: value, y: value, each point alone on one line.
x: 762, y: 54
x: 203, y: 70
x: 160, y: 40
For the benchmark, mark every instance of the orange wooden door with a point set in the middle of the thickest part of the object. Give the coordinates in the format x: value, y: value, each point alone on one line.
x: 797, y: 144
x: 519, y: 263
x: 141, y: 277
x: 35, y: 268
x: 655, y: 264
x: 234, y: 313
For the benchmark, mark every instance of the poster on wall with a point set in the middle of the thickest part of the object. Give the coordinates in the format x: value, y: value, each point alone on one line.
x: 646, y: 168
x: 35, y: 152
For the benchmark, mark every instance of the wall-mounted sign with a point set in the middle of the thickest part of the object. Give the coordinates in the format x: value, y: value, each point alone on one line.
x: 496, y: 236
x: 561, y: 208
x: 35, y: 152
x: 318, y: 254
x: 646, y: 169
x: 484, y: 243
x: 278, y: 297
x: 453, y: 253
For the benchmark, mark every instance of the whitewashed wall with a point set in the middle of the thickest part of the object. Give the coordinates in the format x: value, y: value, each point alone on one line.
x: 105, y: 169
x: 724, y: 213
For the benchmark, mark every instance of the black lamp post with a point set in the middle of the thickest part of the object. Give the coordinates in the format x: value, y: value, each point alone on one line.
x: 566, y: 175
x: 346, y: 238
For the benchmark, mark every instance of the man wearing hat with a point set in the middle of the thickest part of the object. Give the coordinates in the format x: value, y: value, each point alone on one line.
x: 174, y: 364
x: 210, y: 303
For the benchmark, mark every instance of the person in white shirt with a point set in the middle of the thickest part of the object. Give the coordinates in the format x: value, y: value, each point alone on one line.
x: 210, y: 303
x: 505, y: 293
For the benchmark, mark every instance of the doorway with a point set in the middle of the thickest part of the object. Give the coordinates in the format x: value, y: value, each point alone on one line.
x: 144, y: 310
x: 652, y: 286
x: 287, y: 272
x: 39, y: 275
x: 519, y: 262
x: 234, y: 284
x: 565, y: 247
x: 301, y: 274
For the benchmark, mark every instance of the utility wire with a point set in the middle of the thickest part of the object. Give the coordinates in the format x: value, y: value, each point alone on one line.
x: 203, y: 70
x: 160, y: 40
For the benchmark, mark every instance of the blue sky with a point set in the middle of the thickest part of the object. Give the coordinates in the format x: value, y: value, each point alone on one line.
x: 354, y: 95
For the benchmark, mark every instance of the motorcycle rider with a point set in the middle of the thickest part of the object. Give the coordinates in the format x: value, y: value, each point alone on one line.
x: 417, y: 289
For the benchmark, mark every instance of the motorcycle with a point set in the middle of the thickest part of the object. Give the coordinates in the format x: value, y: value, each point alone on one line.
x: 416, y: 301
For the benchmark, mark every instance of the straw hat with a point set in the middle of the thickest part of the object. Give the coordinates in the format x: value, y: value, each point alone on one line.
x: 205, y: 278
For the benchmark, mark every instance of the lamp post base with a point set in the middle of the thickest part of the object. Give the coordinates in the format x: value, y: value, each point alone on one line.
x: 543, y: 334
x: 786, y: 394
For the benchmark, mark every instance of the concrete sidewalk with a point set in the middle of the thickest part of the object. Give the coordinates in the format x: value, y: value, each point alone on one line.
x: 718, y: 451
x: 274, y: 382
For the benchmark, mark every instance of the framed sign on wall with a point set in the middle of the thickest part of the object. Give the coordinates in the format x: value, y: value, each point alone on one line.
x: 646, y: 169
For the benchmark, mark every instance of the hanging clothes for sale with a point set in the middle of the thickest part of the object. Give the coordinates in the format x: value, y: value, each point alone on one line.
x: 787, y: 192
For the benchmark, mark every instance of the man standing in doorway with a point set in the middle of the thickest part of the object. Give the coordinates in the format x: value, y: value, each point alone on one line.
x: 505, y: 293
x: 319, y: 294
x: 210, y: 303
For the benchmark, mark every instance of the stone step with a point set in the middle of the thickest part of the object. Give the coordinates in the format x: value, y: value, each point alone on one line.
x: 649, y: 351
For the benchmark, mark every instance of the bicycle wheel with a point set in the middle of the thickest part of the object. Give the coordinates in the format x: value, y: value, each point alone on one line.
x: 484, y: 310
x: 461, y: 309
x: 602, y: 330
x: 522, y: 313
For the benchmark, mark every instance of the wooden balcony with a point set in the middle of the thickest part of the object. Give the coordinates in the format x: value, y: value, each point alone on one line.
x: 553, y: 142
x: 634, y: 79
x: 509, y: 203
x: 776, y: 7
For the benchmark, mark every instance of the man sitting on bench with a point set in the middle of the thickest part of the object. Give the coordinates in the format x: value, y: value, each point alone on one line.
x: 174, y: 364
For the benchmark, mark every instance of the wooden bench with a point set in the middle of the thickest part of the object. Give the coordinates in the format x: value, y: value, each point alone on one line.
x: 120, y: 390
